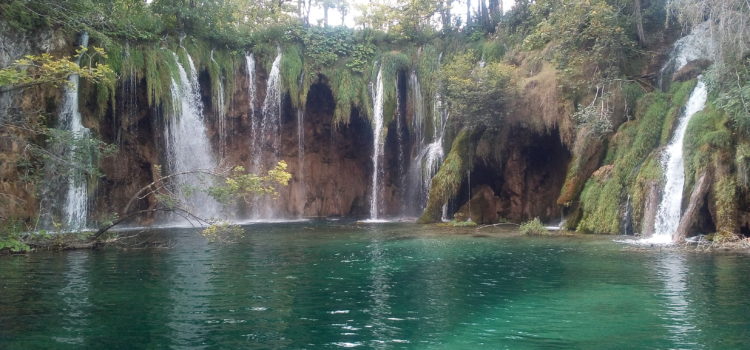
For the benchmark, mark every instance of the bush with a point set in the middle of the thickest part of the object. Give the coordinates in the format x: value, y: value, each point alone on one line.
x: 533, y: 227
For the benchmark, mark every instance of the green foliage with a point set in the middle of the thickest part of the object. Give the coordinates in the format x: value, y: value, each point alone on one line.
x: 391, y: 63
x: 350, y: 90
x: 323, y: 46
x: 19, y: 17
x: 706, y: 137
x: 361, y: 58
x: 291, y: 71
x: 631, y: 161
x: 734, y: 95
x: 11, y: 236
x: 600, y: 200
x: 243, y: 185
x: 223, y: 232
x: 533, y: 227
x: 45, y: 69
x: 160, y: 69
x: 477, y: 94
x: 587, y: 39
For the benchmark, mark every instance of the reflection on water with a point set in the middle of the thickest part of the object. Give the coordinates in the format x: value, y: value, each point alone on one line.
x: 671, y: 267
x: 313, y: 285
x: 189, y: 296
x: 75, y: 298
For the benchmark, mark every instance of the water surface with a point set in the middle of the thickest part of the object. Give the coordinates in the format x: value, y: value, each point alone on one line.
x: 328, y: 285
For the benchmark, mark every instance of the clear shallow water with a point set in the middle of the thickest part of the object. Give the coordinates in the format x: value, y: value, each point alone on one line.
x: 312, y: 285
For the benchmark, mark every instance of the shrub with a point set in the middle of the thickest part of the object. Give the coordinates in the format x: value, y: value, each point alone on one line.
x: 533, y: 227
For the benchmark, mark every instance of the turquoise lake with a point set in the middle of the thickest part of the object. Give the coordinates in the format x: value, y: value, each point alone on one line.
x: 336, y: 285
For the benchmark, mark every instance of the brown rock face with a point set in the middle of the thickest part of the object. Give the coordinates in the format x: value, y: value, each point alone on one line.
x: 331, y: 177
x: 484, y: 206
x: 523, y: 170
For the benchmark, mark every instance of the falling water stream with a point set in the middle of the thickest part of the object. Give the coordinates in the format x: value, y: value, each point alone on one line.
x: 188, y: 147
x: 378, y: 140
x: 668, y: 213
x: 75, y: 210
x: 428, y: 153
x: 221, y: 112
x: 250, y: 66
x: 266, y: 131
x: 699, y: 44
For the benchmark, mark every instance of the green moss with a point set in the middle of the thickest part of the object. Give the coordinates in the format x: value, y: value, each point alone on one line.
x: 349, y: 90
x: 742, y: 162
x: 600, y: 201
x: 706, y: 135
x: 633, y: 162
x: 391, y: 63
x: 160, y: 69
x: 725, y: 193
x: 680, y: 93
x: 651, y: 172
x: 493, y: 50
x: 447, y: 181
x: 291, y: 71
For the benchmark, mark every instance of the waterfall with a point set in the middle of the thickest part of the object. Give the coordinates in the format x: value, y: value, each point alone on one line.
x: 266, y: 131
x: 696, y: 45
x: 428, y: 155
x: 75, y: 211
x: 668, y: 213
x: 418, y: 101
x: 301, y: 157
x: 378, y: 143
x: 250, y: 66
x: 699, y: 44
x: 221, y: 112
x: 400, y: 148
x: 187, y: 144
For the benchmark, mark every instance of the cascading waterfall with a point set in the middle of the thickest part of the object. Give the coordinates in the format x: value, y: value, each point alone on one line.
x: 699, y: 44
x: 75, y: 210
x: 378, y: 140
x: 221, y: 113
x: 187, y: 144
x: 428, y: 156
x: 668, y: 213
x: 268, y: 131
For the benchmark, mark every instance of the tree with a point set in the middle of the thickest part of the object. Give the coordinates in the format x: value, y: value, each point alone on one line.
x: 225, y: 185
x: 476, y: 94
x: 45, y: 69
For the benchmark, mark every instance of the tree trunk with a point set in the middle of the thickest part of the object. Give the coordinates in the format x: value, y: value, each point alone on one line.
x: 325, y: 15
x: 483, y: 13
x: 639, y: 22
x: 445, y: 14
x: 468, y: 13
x: 307, y: 12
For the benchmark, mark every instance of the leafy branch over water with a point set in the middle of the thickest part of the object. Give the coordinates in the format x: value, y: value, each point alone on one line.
x: 224, y: 185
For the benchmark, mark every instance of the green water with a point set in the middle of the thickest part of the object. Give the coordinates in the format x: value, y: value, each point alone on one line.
x: 318, y: 286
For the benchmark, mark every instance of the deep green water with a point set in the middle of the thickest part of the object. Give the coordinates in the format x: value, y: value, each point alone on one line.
x: 318, y: 286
